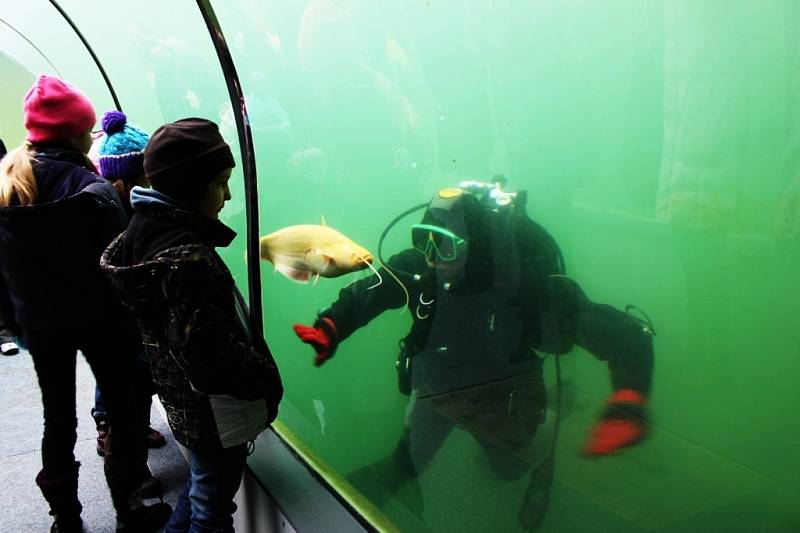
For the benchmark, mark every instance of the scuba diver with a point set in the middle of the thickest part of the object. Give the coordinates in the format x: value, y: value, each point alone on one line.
x: 488, y: 294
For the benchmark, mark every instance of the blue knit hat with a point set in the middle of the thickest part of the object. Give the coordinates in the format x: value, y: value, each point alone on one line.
x: 122, y: 149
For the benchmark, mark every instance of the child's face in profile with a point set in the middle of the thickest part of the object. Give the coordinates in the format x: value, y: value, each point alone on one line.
x: 216, y: 195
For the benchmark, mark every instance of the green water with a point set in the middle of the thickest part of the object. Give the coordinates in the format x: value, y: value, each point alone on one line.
x: 659, y: 142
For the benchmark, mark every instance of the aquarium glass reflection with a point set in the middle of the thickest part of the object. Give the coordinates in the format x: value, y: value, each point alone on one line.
x: 658, y: 149
x: 160, y: 70
x: 615, y: 182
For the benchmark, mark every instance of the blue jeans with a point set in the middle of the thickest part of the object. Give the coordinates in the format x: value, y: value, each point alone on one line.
x: 99, y: 410
x: 206, y: 504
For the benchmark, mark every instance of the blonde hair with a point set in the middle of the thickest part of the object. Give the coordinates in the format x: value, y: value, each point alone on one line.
x: 17, y: 182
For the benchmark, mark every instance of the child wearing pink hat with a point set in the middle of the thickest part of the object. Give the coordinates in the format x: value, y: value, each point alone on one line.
x: 56, y: 110
x: 56, y: 217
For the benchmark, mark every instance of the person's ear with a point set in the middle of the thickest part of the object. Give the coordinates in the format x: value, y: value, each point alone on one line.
x: 119, y: 184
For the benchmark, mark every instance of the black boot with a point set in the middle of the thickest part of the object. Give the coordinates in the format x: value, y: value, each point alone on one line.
x: 144, y: 519
x: 125, y: 484
x: 62, y: 495
x: 148, y: 486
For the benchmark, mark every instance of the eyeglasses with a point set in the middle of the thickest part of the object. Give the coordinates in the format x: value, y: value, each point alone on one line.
x: 427, y: 239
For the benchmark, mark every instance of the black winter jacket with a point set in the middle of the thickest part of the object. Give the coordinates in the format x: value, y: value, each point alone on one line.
x: 50, y: 253
x: 194, y: 325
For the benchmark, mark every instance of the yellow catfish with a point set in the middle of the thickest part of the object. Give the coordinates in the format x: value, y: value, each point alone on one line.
x: 307, y: 250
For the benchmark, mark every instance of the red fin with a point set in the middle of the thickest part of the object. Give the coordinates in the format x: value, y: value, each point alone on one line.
x: 295, y: 274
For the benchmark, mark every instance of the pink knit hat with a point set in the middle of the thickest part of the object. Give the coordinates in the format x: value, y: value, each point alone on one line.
x: 56, y: 110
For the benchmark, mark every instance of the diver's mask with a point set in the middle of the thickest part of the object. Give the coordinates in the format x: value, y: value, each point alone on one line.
x: 448, y: 209
x: 435, y: 242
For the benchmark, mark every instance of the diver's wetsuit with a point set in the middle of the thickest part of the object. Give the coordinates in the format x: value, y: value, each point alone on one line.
x: 460, y: 364
x: 472, y: 348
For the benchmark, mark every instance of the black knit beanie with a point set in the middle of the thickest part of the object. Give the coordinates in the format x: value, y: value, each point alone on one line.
x: 183, y: 157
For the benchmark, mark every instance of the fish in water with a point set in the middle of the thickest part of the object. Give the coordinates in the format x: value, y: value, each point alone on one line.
x: 307, y: 250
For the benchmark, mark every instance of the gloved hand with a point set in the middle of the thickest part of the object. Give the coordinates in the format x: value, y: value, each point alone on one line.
x: 321, y: 336
x: 622, y: 425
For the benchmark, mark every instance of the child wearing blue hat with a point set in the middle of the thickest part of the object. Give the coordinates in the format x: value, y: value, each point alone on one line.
x: 121, y: 154
x: 120, y: 161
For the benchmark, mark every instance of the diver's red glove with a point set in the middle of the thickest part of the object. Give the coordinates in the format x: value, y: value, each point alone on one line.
x: 321, y: 337
x: 622, y: 425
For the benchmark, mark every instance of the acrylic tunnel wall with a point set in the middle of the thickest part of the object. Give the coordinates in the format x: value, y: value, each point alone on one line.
x: 659, y: 145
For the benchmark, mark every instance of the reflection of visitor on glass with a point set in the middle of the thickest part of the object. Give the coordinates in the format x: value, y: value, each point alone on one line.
x: 487, y: 291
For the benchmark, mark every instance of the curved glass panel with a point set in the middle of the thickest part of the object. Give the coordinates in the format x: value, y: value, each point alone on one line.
x: 58, y: 50
x: 16, y: 81
x: 657, y: 143
x: 164, y: 71
x: 657, y: 148
x: 24, y: 54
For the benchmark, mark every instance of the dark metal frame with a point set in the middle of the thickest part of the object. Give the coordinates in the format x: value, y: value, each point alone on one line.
x: 251, y: 199
x: 251, y: 190
x: 25, y: 38
x: 91, y: 52
x: 248, y: 159
x: 245, y: 144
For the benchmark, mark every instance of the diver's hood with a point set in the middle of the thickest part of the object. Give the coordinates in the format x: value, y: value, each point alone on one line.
x: 461, y: 213
x: 457, y: 211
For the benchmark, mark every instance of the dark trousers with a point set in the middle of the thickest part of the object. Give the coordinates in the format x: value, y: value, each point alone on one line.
x: 502, y: 415
x: 8, y: 326
x: 144, y: 390
x: 112, y: 364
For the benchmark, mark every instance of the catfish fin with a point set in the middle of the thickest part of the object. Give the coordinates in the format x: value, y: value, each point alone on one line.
x: 293, y: 273
x: 290, y: 267
x: 316, y: 279
x: 317, y: 261
x: 323, y: 220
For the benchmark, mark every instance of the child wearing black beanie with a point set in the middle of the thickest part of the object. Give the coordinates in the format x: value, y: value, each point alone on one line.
x: 183, y: 157
x: 214, y: 375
